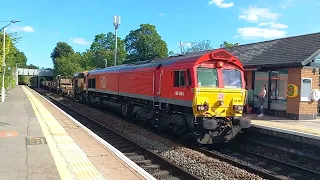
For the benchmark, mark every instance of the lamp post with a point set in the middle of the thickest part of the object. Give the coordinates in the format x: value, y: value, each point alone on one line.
x: 116, y: 23
x: 106, y: 63
x: 4, y: 56
x: 3, y: 64
x: 17, y: 77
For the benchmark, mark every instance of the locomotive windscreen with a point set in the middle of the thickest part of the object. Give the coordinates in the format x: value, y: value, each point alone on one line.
x: 232, y: 78
x: 207, y: 77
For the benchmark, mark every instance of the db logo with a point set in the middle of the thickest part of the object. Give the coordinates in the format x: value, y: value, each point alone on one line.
x: 103, y: 82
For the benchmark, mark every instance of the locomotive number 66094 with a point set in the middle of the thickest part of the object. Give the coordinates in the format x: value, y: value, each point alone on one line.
x: 103, y: 82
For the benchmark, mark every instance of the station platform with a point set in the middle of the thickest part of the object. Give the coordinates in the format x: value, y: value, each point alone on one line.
x: 38, y: 141
x: 307, y: 131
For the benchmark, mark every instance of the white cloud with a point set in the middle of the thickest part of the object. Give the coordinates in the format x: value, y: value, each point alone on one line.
x: 80, y: 41
x: 267, y: 26
x: 161, y: 14
x: 221, y: 4
x: 274, y: 25
x: 22, y: 29
x: 258, y: 14
x: 255, y: 32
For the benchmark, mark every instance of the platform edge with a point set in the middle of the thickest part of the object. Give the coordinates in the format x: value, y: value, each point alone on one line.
x: 119, y: 154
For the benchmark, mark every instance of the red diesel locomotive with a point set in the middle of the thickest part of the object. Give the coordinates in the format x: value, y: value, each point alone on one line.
x: 199, y: 95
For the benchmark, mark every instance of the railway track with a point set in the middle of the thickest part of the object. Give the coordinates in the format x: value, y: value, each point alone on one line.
x: 229, y: 158
x: 278, y: 161
x: 281, y: 144
x: 147, y: 160
x: 253, y: 162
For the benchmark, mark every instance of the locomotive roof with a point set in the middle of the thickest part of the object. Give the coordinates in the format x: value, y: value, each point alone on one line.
x: 80, y: 73
x: 157, y: 61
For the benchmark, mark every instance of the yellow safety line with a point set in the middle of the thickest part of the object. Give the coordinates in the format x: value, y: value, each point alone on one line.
x: 70, y: 160
x: 59, y: 161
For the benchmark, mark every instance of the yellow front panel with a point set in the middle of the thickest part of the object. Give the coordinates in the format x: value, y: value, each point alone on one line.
x: 220, y: 100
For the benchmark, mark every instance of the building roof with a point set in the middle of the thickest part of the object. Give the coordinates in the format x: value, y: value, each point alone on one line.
x: 290, y: 51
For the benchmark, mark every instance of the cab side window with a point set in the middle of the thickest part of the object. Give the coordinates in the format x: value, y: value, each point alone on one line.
x: 92, y: 83
x: 181, y: 78
x: 188, y: 77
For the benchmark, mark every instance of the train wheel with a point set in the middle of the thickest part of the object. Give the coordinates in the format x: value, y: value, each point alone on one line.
x: 124, y: 110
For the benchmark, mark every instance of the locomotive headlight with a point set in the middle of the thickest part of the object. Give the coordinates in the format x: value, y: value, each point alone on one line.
x: 204, y: 107
x: 219, y: 64
x: 237, y: 108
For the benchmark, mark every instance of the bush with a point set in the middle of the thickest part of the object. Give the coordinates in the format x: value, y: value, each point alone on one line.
x: 24, y: 80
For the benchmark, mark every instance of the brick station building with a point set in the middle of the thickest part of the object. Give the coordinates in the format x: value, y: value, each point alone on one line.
x: 277, y: 63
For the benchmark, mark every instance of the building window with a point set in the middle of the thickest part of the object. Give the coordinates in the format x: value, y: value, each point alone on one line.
x: 182, y: 78
x: 317, y: 59
x: 306, y: 88
x: 261, y: 78
x: 279, y: 83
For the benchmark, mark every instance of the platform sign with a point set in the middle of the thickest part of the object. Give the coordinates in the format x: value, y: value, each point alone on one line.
x: 306, y: 88
x: 292, y: 90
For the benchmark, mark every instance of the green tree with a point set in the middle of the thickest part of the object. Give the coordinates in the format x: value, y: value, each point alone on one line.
x: 13, y: 56
x: 62, y: 49
x: 103, y: 48
x: 15, y: 37
x: 8, y: 46
x: 171, y: 53
x: 226, y: 44
x: 198, y: 46
x: 68, y: 65
x: 87, y: 58
x: 145, y: 43
x: 20, y: 58
x: 31, y: 66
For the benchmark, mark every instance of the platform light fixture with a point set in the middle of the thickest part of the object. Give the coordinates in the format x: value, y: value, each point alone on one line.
x: 116, y: 23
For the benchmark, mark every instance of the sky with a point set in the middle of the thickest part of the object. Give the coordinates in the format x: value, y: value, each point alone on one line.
x: 44, y: 23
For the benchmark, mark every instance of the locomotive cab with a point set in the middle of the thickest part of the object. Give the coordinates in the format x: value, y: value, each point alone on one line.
x: 219, y: 91
x: 219, y: 97
x: 79, y: 86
